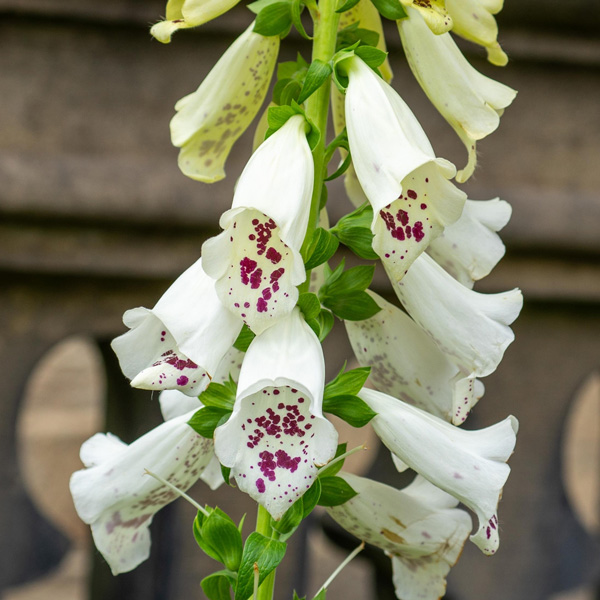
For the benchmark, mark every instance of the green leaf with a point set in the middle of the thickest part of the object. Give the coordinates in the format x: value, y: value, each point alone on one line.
x: 274, y: 19
x: 347, y: 6
x: 325, y: 321
x: 322, y: 247
x: 321, y: 595
x: 257, y: 6
x: 347, y: 383
x: 296, y: 597
x: 390, y: 9
x: 289, y: 522
x: 317, y: 74
x: 351, y: 409
x: 311, y: 498
x: 309, y: 305
x: 335, y: 491
x: 323, y: 198
x: 207, y: 419
x: 297, y: 8
x: 333, y: 276
x: 217, y: 585
x: 372, y: 56
x: 244, y: 339
x: 359, y: 240
x: 353, y: 33
x: 352, y: 306
x: 266, y: 553
x: 224, y: 538
x: 219, y: 395
x: 204, y: 545
x: 226, y: 472
x: 355, y: 279
x: 335, y: 469
x: 292, y: 69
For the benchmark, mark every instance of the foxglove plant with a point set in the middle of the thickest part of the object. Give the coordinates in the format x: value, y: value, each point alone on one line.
x: 234, y: 345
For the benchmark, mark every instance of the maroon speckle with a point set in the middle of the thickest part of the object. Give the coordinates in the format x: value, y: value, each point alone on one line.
x: 417, y: 231
x: 412, y: 194
x: 261, y: 305
x: 183, y: 380
x: 423, y: 206
x: 255, y: 279
x: 273, y: 255
x: 260, y: 486
x: 247, y: 265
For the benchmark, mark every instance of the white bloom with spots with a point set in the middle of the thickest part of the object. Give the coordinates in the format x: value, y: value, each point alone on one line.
x: 470, y: 248
x: 183, y: 14
x: 210, y: 120
x: 181, y: 341
x: 419, y: 527
x: 472, y: 329
x: 406, y: 363
x: 405, y: 183
x: 474, y: 20
x: 115, y: 497
x: 277, y: 436
x: 469, y: 465
x: 256, y: 260
x: 469, y: 101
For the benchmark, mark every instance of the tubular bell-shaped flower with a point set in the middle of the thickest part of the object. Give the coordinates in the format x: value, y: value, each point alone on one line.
x: 183, y: 14
x: 469, y: 101
x: 469, y: 465
x: 256, y: 259
x: 470, y: 248
x: 474, y: 21
x: 277, y: 435
x: 405, y: 183
x: 434, y: 13
x: 471, y: 328
x: 181, y: 341
x: 210, y: 120
x: 115, y: 497
x: 406, y: 363
x: 418, y: 527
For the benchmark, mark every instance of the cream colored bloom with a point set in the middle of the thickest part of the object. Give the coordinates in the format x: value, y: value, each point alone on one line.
x: 418, y: 527
x: 434, y: 12
x: 474, y: 21
x: 469, y: 101
x: 210, y: 120
x: 405, y: 183
x: 183, y: 14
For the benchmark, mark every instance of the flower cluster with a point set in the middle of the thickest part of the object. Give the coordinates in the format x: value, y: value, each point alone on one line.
x: 234, y: 345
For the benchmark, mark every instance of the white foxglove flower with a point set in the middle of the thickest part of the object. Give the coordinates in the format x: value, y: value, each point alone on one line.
x: 183, y: 14
x: 210, y: 120
x: 406, y: 363
x: 434, y: 13
x: 418, y: 527
x: 472, y: 329
x: 256, y: 260
x: 470, y: 248
x: 115, y: 497
x: 474, y: 21
x: 277, y: 435
x: 469, y: 101
x: 405, y: 183
x: 180, y: 342
x: 469, y: 465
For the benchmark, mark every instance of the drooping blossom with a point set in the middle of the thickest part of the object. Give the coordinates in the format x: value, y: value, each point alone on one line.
x: 405, y: 183
x: 469, y: 465
x: 434, y: 12
x: 256, y: 260
x: 179, y: 343
x: 469, y: 101
x: 210, y: 120
x: 418, y: 527
x: 277, y: 435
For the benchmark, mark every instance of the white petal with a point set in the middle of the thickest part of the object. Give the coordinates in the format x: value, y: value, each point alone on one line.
x: 471, y: 328
x: 256, y: 260
x: 405, y: 183
x: 180, y: 342
x: 469, y: 465
x: 100, y: 448
x: 469, y: 101
x: 407, y: 364
x: 210, y: 120
x: 424, y: 538
x: 174, y: 403
x: 212, y: 474
x: 277, y: 435
x: 470, y: 248
x: 119, y: 501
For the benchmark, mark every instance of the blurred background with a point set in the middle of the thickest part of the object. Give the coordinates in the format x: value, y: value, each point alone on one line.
x: 96, y: 218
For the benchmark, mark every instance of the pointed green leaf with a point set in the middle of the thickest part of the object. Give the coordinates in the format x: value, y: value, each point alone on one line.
x: 351, y: 409
x: 390, y: 9
x: 297, y: 8
x: 335, y: 469
x: 335, y: 491
x: 309, y: 305
x: 325, y: 320
x: 322, y: 247
x: 219, y: 395
x: 347, y: 6
x: 273, y: 19
x: 372, y: 56
x: 355, y: 279
x: 290, y: 521
x: 217, y: 585
x: 266, y: 553
x: 347, y: 383
x: 318, y: 73
x: 224, y: 537
x: 207, y: 419
x: 244, y: 339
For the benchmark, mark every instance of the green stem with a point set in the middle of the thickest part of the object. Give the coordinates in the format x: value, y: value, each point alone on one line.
x: 263, y: 525
x: 326, y: 22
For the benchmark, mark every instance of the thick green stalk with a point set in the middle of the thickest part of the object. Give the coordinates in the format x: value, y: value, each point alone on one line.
x: 326, y: 22
x: 263, y: 525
